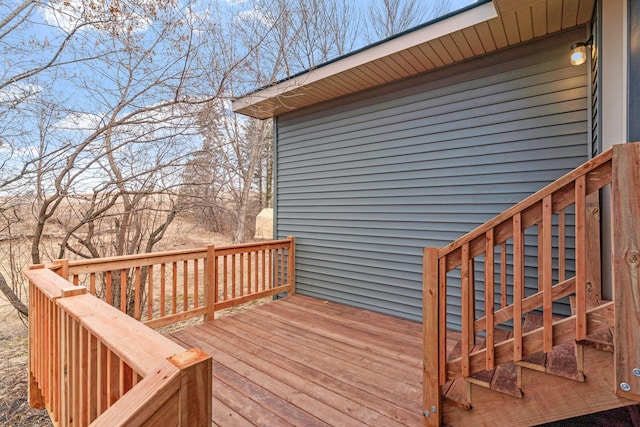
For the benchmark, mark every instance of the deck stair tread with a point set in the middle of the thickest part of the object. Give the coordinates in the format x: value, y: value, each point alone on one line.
x: 562, y: 360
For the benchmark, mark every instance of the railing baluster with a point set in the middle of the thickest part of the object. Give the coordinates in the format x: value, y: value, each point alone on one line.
x: 174, y: 287
x: 108, y: 284
x: 196, y: 275
x: 93, y: 377
x: 562, y: 253
x: 123, y: 290
x: 503, y: 274
x: 56, y: 360
x: 150, y: 292
x: 291, y: 265
x: 103, y: 382
x: 249, y: 272
x: 546, y: 254
x: 185, y: 285
x: 126, y: 378
x: 489, y: 297
x: 92, y: 283
x: 224, y: 279
x: 113, y: 378
x: 256, y: 276
x: 65, y: 359
x: 84, y: 374
x: 163, y: 290
x: 518, y: 285
x: 233, y: 277
x: 283, y: 277
x: 467, y: 323
x: 540, y: 255
x: 269, y: 280
x: 581, y: 259
x: 472, y: 300
x: 264, y: 276
x: 137, y: 293
x: 242, y: 262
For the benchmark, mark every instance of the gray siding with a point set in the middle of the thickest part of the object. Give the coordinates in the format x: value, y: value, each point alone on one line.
x: 367, y: 182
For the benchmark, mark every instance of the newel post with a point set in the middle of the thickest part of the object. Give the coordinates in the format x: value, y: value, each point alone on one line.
x: 194, y: 398
x: 210, y: 283
x: 432, y: 390
x: 625, y: 201
x: 63, y: 268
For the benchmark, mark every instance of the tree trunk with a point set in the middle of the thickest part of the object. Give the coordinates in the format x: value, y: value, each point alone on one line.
x: 12, y: 297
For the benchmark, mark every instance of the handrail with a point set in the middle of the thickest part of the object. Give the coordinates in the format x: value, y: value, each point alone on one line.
x: 530, y: 240
x: 89, y: 362
x: 166, y: 287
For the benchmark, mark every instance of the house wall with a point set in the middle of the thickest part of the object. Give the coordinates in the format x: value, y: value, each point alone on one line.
x: 366, y: 182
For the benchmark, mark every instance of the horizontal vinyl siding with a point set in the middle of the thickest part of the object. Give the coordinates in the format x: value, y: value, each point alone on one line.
x: 366, y: 183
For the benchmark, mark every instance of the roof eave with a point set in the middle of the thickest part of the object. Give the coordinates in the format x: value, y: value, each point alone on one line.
x: 256, y: 104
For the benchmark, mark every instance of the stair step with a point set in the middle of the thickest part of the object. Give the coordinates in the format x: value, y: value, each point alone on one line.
x: 561, y: 361
x: 601, y: 336
x: 536, y: 361
x: 506, y: 380
x: 503, y: 379
x: 457, y: 393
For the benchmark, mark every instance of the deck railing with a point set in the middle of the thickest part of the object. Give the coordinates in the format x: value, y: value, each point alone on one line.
x: 93, y: 361
x: 528, y: 258
x: 91, y: 364
x: 166, y: 287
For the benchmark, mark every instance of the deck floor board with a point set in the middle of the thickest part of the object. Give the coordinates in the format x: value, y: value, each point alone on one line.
x: 306, y: 362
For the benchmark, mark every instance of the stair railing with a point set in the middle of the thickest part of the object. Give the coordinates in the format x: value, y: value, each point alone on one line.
x: 528, y: 258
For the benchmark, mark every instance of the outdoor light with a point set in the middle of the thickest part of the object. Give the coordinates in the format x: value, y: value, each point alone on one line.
x: 579, y: 52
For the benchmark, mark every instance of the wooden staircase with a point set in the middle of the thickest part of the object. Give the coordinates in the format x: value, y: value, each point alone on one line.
x: 517, y: 359
x: 564, y: 361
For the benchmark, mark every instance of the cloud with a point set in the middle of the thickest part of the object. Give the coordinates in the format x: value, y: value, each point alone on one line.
x: 19, y: 92
x: 79, y: 122
x: 257, y: 14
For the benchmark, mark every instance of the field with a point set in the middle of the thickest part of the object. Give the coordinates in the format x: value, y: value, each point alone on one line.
x: 14, y: 406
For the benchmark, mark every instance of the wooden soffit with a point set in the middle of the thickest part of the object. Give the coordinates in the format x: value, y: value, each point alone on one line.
x: 471, y: 32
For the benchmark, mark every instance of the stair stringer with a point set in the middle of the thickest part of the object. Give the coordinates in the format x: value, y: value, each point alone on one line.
x: 546, y: 397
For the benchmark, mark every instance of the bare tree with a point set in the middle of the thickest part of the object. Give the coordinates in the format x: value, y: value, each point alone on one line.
x: 389, y: 17
x: 266, y: 42
x: 106, y: 163
x: 115, y: 118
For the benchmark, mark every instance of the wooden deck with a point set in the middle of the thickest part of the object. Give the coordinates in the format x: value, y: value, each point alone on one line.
x: 306, y: 362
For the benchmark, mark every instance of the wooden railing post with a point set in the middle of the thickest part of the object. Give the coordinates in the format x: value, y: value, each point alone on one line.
x: 63, y: 269
x: 625, y: 189
x: 432, y: 390
x: 194, y: 400
x: 210, y: 283
x: 291, y: 265
x: 593, y: 246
